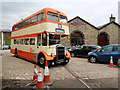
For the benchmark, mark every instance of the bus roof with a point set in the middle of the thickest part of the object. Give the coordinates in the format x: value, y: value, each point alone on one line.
x: 43, y: 10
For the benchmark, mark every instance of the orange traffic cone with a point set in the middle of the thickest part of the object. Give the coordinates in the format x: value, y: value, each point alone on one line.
x: 35, y: 74
x: 39, y: 80
x: 118, y: 63
x: 111, y: 62
x: 46, y: 79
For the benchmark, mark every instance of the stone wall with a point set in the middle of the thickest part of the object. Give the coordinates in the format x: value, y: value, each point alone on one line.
x: 89, y: 32
x: 112, y: 31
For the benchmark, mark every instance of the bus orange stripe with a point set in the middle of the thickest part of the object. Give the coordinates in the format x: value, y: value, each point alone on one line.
x: 39, y: 23
x: 35, y: 35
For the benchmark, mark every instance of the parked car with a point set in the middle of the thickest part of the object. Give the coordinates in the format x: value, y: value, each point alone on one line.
x: 67, y: 48
x: 9, y: 46
x: 103, y: 54
x: 83, y: 50
x: 4, y: 47
x: 73, y: 48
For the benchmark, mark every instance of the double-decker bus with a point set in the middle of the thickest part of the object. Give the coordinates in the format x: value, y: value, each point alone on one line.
x: 38, y: 37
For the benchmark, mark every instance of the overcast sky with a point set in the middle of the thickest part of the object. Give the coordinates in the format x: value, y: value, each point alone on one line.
x: 96, y: 12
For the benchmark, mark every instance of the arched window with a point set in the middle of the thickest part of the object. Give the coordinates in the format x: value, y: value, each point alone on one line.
x: 77, y: 38
x: 103, y: 39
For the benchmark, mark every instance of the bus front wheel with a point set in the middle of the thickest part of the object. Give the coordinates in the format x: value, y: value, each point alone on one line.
x: 42, y: 61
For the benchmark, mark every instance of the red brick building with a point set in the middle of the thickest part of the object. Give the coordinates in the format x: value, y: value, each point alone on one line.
x: 5, y: 36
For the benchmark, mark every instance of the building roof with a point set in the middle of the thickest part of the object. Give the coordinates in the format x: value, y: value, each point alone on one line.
x: 97, y: 28
x: 102, y: 26
x: 5, y: 30
x: 83, y: 21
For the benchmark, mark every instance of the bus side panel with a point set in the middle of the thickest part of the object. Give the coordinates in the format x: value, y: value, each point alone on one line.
x: 12, y: 51
x: 23, y: 54
x: 26, y: 55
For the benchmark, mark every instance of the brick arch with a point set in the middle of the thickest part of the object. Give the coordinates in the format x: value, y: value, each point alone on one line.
x: 103, y: 39
x: 77, y: 38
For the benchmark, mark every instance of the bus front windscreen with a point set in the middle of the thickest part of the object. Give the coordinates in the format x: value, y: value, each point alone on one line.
x: 54, y: 39
x: 63, y: 19
x: 52, y: 16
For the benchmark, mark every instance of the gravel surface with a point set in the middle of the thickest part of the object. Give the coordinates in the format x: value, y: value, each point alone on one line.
x: 94, y: 74
x: 85, y: 70
x: 17, y: 68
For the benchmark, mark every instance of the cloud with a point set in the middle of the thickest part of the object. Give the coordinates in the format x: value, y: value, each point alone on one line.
x: 96, y: 12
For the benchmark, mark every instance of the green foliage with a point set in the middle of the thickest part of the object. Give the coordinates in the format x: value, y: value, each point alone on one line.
x: 7, y: 40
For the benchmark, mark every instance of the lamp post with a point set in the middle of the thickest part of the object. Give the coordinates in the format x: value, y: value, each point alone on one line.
x: 2, y: 39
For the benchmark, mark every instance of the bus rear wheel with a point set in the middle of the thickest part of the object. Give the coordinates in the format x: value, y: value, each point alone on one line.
x: 16, y: 53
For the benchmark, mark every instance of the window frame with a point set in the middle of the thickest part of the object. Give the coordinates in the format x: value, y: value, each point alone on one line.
x: 105, y: 48
x: 53, y: 14
x: 43, y: 17
x: 34, y: 18
x: 30, y: 41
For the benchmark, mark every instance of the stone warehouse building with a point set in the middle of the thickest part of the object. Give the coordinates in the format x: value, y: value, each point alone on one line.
x: 84, y: 33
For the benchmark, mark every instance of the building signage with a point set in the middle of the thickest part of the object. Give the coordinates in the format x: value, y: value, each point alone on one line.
x: 77, y: 24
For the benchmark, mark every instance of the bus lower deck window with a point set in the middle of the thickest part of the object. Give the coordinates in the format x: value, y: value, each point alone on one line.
x: 32, y: 41
x: 39, y: 40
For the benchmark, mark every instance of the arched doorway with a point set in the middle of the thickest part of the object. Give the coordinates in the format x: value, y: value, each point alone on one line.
x: 77, y: 38
x: 103, y: 39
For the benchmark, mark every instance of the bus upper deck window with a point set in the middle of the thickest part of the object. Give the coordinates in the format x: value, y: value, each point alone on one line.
x: 13, y: 28
x: 27, y: 22
x: 52, y: 16
x: 33, y: 19
x: 41, y: 17
x: 63, y: 19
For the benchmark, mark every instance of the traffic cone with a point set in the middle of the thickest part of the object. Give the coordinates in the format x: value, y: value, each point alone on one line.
x: 111, y: 62
x: 46, y: 79
x: 35, y: 74
x: 118, y: 63
x: 39, y: 80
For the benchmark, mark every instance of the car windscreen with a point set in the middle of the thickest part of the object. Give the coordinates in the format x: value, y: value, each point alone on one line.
x: 117, y: 48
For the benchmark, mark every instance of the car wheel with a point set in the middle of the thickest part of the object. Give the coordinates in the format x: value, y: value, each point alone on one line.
x: 93, y: 59
x: 66, y: 61
x: 72, y: 55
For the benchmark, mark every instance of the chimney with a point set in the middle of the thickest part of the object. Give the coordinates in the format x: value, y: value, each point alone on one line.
x: 112, y: 19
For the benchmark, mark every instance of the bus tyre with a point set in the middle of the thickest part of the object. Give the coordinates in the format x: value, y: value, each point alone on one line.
x: 16, y: 53
x: 42, y: 61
